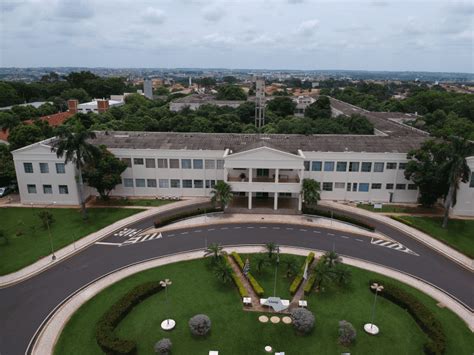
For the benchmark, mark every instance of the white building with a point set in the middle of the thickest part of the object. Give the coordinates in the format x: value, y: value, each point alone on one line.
x: 98, y: 106
x: 302, y: 102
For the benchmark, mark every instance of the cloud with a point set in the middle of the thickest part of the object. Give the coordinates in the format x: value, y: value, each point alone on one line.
x: 462, y: 7
x: 217, y: 40
x: 154, y: 15
x: 379, y: 3
x: 213, y: 13
x: 307, y: 28
x: 75, y: 9
x: 295, y: 1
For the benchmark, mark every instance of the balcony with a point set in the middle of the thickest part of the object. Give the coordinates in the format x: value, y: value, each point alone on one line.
x: 282, y: 179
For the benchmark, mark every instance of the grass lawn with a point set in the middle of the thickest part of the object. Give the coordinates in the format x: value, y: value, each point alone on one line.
x: 133, y: 202
x: 234, y: 331
x: 397, y: 208
x: 459, y: 234
x: 28, y: 241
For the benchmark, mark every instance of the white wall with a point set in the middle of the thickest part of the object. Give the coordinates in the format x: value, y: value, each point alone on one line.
x: 465, y: 196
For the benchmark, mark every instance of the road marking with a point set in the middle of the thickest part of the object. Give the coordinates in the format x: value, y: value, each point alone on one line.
x: 143, y: 238
x: 303, y: 230
x: 289, y: 229
x: 184, y: 233
x: 317, y: 232
x: 127, y: 232
x: 106, y: 243
x: 170, y: 235
x: 275, y: 227
x: 332, y: 235
x: 263, y: 227
x: 197, y: 231
x: 211, y: 229
x: 359, y: 240
x: 344, y: 236
x: 250, y: 227
x: 237, y: 227
x: 392, y: 245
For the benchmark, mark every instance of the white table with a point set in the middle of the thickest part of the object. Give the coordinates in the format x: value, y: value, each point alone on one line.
x: 285, y: 303
x: 212, y: 352
x: 303, y: 303
x: 247, y: 301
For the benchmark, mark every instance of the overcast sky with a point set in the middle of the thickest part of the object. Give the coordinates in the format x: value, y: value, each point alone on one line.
x: 275, y: 34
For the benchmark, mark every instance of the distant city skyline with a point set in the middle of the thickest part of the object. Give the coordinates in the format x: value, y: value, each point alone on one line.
x: 372, y: 35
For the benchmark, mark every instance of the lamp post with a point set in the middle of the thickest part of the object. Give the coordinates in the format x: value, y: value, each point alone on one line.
x: 276, y: 269
x: 371, y: 328
x: 53, y: 257
x: 168, y: 323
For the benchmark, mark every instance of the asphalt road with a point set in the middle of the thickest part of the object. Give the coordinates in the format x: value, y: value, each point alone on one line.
x: 24, y: 306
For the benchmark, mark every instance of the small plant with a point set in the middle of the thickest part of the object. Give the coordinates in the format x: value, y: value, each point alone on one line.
x: 214, y: 251
x: 163, y: 346
x: 200, y: 325
x: 47, y: 218
x: 271, y: 249
x: 303, y: 320
x: 347, y: 333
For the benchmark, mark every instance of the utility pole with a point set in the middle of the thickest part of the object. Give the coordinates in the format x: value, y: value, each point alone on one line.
x: 259, y: 102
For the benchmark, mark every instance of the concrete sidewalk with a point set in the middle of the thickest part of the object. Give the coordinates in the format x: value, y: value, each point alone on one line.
x: 48, y: 335
x: 424, y: 238
x: 80, y: 244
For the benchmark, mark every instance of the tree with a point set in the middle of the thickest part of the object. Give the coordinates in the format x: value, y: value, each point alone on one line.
x: 163, y: 346
x: 104, y: 172
x: 231, y: 92
x: 24, y: 135
x: 8, y: 121
x: 291, y: 267
x: 302, y: 319
x: 331, y: 259
x: 347, y: 333
x: 282, y: 106
x: 310, y: 192
x: 321, y: 108
x: 77, y: 93
x: 200, y: 325
x: 271, y: 249
x: 213, y: 250
x: 458, y: 170
x: 223, y: 271
x: 229, y: 79
x: 9, y: 95
x: 221, y: 194
x: 73, y: 146
x: 261, y: 260
x: 7, y: 168
x: 46, y: 218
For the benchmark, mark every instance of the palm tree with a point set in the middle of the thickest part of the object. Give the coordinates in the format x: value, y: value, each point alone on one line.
x: 73, y: 146
x: 324, y: 274
x: 331, y: 259
x: 214, y: 250
x: 260, y: 262
x: 222, y: 194
x: 310, y: 191
x: 291, y: 267
x: 223, y: 271
x: 271, y: 248
x: 458, y: 171
x: 343, y: 275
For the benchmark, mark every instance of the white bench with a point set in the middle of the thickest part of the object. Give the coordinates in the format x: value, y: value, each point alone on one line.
x: 303, y: 303
x: 213, y: 352
x: 247, y: 301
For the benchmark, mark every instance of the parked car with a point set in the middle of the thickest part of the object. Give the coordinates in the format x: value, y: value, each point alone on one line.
x: 4, y: 191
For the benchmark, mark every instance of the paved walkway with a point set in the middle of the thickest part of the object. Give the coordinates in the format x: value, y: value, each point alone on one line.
x: 80, y: 244
x: 51, y: 331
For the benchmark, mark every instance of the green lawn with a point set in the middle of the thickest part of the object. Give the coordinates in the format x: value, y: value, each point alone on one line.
x: 397, y: 208
x: 459, y: 234
x: 28, y: 241
x: 234, y: 331
x: 133, y: 202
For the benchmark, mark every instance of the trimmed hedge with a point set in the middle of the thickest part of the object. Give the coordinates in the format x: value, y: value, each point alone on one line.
x: 295, y: 285
x: 104, y: 334
x: 343, y: 218
x: 424, y: 317
x: 161, y: 222
x: 253, y: 282
x: 310, y: 284
x: 242, y: 290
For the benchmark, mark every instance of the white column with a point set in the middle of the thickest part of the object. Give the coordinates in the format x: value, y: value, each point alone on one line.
x: 276, y: 176
x: 275, y: 201
x: 299, y: 202
x: 225, y: 175
x: 250, y: 174
x: 250, y: 200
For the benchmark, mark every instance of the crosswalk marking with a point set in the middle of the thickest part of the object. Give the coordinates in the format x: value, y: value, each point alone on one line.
x: 142, y: 238
x: 127, y: 232
x: 392, y: 245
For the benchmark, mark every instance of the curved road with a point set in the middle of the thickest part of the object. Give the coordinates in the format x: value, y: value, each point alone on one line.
x: 24, y: 306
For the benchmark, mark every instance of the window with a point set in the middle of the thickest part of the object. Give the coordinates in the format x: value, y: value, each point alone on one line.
x: 44, y: 168
x: 354, y: 166
x: 402, y: 166
x: 376, y: 186
x: 28, y: 168
x: 210, y: 184
x: 137, y: 161
x: 47, y: 189
x: 401, y: 186
x: 411, y: 187
x: 363, y: 187
x: 63, y: 190
x: 127, y: 161
x: 151, y: 182
x: 150, y: 163
x: 339, y: 185
x: 327, y: 186
x: 391, y: 166
x: 366, y: 167
x: 187, y: 184
x: 354, y: 186
x: 471, y: 183
x: 175, y: 184
x: 60, y: 168
x: 139, y: 182
x: 306, y: 165
x: 328, y: 166
x: 210, y: 164
x: 128, y: 182
x: 341, y: 166
x: 163, y: 183
x: 185, y: 163
x: 163, y: 163
x: 220, y: 164
x: 31, y: 189
x: 197, y: 163
x: 389, y: 186
x: 378, y: 167
x: 316, y: 166
x: 174, y: 164
x: 198, y: 184
x: 263, y: 172
x: 348, y: 188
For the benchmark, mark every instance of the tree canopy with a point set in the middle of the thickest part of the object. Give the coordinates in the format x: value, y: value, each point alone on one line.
x: 230, y: 92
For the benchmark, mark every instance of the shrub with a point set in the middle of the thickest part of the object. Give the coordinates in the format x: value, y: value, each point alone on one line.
x: 105, y: 337
x: 303, y: 320
x: 299, y: 278
x: 347, y: 333
x: 161, y: 222
x: 47, y: 218
x: 242, y: 290
x: 163, y: 346
x: 343, y: 218
x: 199, y: 325
x: 425, y: 318
x: 310, y: 284
x: 253, y: 282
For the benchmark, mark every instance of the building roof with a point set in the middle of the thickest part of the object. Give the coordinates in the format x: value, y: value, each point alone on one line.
x: 54, y: 120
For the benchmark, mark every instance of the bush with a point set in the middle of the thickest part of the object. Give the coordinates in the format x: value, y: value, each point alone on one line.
x: 347, y: 333
x: 237, y: 282
x: 199, y: 325
x: 105, y: 337
x: 303, y: 320
x: 47, y: 218
x: 161, y: 222
x: 425, y: 318
x: 163, y: 346
x: 253, y: 282
x: 310, y: 284
x: 299, y: 278
x: 343, y: 218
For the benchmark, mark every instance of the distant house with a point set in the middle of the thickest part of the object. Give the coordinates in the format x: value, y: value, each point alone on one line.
x: 302, y: 102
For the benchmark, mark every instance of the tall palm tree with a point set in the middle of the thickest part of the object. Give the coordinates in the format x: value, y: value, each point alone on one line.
x: 310, y: 192
x: 223, y: 272
x: 213, y: 250
x: 271, y: 248
x: 222, y: 194
x: 331, y: 259
x: 72, y: 144
x: 458, y: 170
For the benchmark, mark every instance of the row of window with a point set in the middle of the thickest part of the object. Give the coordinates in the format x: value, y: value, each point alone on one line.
x: 44, y: 168
x: 167, y: 183
x: 175, y: 163
x: 364, y: 187
x: 48, y: 189
x: 353, y: 166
